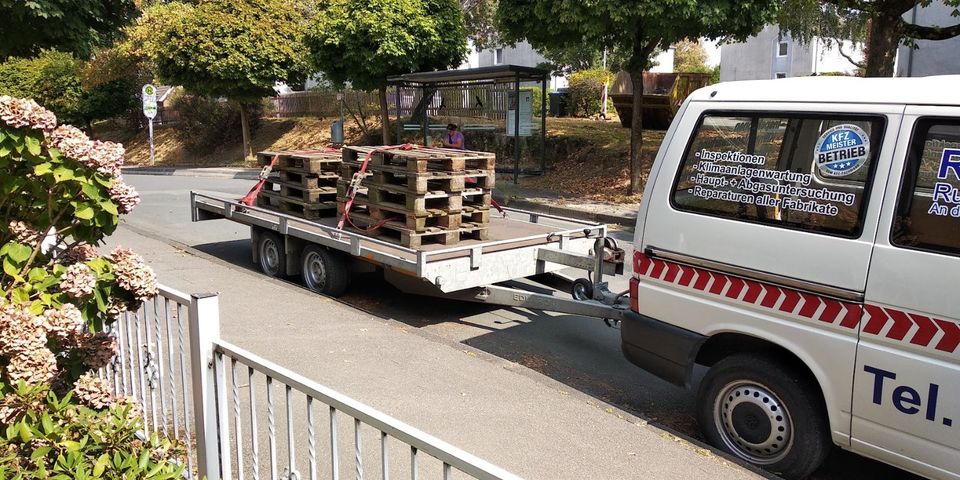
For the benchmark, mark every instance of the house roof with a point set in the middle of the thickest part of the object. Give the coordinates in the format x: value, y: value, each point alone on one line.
x: 935, y: 90
x: 497, y: 73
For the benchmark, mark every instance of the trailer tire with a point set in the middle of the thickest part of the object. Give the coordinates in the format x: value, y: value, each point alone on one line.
x: 762, y: 411
x: 324, y: 271
x: 582, y: 289
x: 271, y: 254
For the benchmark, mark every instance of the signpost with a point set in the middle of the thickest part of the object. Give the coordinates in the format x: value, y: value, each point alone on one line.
x: 149, y: 94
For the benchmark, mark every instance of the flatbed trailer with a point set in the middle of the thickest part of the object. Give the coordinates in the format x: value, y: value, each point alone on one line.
x: 521, y: 245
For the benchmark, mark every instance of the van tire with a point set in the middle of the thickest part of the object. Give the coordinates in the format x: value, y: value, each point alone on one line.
x: 324, y: 271
x: 740, y: 408
x: 271, y: 254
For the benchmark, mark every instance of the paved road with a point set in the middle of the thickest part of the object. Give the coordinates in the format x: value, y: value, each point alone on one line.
x: 578, y: 352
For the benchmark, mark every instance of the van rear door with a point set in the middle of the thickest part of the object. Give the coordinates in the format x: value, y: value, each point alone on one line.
x: 906, y: 406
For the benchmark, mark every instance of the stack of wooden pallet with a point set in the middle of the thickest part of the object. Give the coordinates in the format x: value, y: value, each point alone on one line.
x: 305, y: 183
x: 421, y: 195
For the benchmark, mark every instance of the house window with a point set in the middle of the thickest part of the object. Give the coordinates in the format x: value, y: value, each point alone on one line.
x: 498, y: 56
x: 780, y: 75
x: 782, y: 49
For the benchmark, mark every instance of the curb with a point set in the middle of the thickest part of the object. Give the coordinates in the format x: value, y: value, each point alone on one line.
x: 627, y: 221
x: 212, y: 172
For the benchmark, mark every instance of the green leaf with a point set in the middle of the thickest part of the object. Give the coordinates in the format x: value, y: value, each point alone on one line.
x: 9, y: 267
x: 101, y: 465
x: 39, y: 453
x: 20, y: 295
x: 36, y: 275
x: 25, y: 434
x: 71, y: 446
x: 47, y: 423
x: 42, y: 169
x: 33, y: 144
x: 109, y: 207
x: 18, y: 252
x: 84, y: 212
x: 62, y: 173
x: 91, y: 191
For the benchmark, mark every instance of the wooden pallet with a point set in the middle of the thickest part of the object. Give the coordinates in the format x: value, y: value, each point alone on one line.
x: 304, y: 161
x: 419, y: 160
x: 309, y: 180
x: 398, y: 232
x: 296, y: 207
x: 422, y: 182
x: 308, y: 195
x: 427, y: 205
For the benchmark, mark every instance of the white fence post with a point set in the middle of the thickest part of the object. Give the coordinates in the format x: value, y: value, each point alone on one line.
x: 204, y: 332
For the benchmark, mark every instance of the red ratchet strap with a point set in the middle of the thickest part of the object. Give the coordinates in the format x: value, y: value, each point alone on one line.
x: 355, y: 185
x: 251, y: 197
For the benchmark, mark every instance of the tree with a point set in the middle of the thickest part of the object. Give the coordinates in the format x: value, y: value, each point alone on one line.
x: 479, y: 17
x: 879, y: 24
x: 565, y: 61
x: 637, y: 28
x: 365, y: 41
x: 236, y: 49
x: 689, y: 56
x: 57, y: 79
x: 75, y: 26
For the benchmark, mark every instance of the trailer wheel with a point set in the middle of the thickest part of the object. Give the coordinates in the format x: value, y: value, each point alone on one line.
x: 271, y: 254
x: 582, y: 289
x: 324, y: 271
x: 764, y: 412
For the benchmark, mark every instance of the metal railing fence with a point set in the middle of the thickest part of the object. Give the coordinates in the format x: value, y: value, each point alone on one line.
x: 221, y: 402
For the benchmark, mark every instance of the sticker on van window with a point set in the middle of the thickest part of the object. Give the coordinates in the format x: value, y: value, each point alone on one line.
x: 946, y: 197
x: 842, y: 150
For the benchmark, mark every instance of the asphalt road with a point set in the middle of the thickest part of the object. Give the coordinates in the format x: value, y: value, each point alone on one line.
x: 581, y: 353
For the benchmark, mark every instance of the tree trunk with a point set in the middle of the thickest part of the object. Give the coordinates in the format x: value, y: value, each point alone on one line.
x: 245, y: 127
x: 636, y: 133
x: 883, y: 38
x: 384, y: 115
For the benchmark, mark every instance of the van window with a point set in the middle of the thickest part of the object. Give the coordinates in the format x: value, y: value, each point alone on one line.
x: 801, y: 171
x: 928, y: 210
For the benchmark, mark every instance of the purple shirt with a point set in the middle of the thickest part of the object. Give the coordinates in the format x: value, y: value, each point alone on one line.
x: 454, y: 139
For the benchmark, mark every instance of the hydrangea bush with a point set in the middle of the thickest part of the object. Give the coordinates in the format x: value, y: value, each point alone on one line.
x: 58, y: 419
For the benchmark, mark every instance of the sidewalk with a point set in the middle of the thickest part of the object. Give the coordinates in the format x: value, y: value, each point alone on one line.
x: 526, y: 423
x: 506, y: 193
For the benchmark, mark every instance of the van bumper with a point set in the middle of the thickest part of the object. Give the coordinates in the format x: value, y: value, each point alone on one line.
x: 664, y: 350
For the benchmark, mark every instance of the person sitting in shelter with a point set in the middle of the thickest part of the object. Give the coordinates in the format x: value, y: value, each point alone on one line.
x: 453, y: 138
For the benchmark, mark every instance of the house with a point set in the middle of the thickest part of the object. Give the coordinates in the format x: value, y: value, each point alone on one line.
x: 524, y: 54
x: 937, y: 57
x: 772, y: 54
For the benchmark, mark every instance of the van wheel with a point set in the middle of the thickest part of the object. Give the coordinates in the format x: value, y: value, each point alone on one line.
x: 324, y: 271
x: 271, y: 254
x: 764, y: 412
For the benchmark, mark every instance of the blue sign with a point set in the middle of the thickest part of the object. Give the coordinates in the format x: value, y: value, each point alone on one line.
x: 842, y: 150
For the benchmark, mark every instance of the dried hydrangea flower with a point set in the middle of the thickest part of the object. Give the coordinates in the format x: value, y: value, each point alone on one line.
x: 124, y: 196
x: 93, y: 392
x: 22, y: 112
x: 106, y: 158
x: 98, y: 349
x: 136, y: 410
x: 78, y: 253
x: 71, y: 142
x: 23, y: 233
x: 20, y: 331
x: 78, y: 281
x: 133, y: 275
x: 63, y: 323
x: 115, y: 307
x: 33, y: 367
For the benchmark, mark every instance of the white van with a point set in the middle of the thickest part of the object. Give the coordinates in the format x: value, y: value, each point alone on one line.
x: 801, y: 237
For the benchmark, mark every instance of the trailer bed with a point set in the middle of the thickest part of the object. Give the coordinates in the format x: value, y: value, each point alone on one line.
x: 511, y: 251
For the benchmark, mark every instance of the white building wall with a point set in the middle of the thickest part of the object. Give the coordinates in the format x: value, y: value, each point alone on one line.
x: 938, y: 57
x: 759, y: 57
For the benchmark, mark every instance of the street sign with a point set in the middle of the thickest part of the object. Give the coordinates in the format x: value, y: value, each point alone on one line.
x: 149, y: 93
x: 149, y: 101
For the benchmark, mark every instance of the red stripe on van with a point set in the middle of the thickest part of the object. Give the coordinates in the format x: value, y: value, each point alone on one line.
x: 843, y: 314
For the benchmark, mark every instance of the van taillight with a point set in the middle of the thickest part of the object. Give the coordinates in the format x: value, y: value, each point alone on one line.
x: 634, y: 284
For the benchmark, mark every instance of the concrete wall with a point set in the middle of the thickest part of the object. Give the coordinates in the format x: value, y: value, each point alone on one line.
x: 931, y: 57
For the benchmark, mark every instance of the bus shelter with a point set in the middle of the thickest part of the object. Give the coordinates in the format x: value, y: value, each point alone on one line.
x: 483, y: 96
